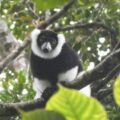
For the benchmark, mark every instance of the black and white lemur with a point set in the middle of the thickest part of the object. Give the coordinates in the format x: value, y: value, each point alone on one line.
x: 52, y: 60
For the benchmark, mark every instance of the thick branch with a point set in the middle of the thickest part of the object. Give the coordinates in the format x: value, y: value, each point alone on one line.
x: 99, y: 72
x: 10, y: 109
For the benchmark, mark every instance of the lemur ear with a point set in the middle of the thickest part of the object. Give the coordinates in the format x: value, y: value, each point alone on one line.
x: 61, y: 37
x: 35, y: 34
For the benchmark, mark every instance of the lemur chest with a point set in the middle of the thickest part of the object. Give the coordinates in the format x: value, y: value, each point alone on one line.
x: 59, y: 74
x: 52, y: 67
x: 57, y: 69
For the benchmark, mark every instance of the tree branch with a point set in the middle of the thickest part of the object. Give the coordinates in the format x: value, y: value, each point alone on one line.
x: 10, y: 109
x: 109, y: 76
x: 83, y: 25
x: 99, y: 72
x: 111, y: 31
x: 49, y: 21
x: 104, y: 93
x: 13, y: 55
x: 31, y: 11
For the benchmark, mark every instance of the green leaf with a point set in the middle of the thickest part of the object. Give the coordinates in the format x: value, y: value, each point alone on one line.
x: 117, y: 90
x: 76, y: 106
x: 48, y: 4
x: 21, y: 77
x: 41, y: 115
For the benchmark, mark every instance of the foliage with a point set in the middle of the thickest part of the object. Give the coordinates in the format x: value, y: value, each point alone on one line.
x: 48, y: 4
x: 114, y: 112
x: 18, y: 17
x: 41, y: 115
x: 72, y: 105
x: 117, y: 90
x: 76, y: 106
x: 93, y: 43
x: 15, y: 87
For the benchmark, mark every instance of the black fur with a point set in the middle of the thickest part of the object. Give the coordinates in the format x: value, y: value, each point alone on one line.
x: 49, y: 69
x: 47, y: 36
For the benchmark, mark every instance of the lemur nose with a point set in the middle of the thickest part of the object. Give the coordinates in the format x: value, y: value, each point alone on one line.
x: 46, y: 47
x: 45, y: 50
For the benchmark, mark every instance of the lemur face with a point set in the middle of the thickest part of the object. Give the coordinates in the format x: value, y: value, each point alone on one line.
x: 47, y: 41
x: 47, y: 44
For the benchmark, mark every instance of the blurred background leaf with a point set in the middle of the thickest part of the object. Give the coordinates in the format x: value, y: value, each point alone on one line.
x: 76, y: 106
x: 41, y: 115
x: 49, y: 4
x: 117, y: 90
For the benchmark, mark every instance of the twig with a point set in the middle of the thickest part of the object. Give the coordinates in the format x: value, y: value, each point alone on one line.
x: 85, y: 26
x: 32, y: 12
x: 104, y: 93
x: 112, y: 32
x: 117, y: 45
x: 109, y: 76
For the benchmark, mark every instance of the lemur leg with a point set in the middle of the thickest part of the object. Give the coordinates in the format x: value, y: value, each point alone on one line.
x: 39, y: 86
x: 68, y: 75
x: 49, y: 92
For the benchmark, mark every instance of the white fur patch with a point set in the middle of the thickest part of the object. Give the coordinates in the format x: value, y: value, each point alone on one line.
x: 86, y: 90
x: 35, y: 34
x: 46, y: 45
x: 69, y: 75
x: 52, y: 54
x: 39, y: 86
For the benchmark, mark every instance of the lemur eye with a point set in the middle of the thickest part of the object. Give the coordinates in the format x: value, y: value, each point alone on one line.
x: 54, y: 42
x: 41, y: 40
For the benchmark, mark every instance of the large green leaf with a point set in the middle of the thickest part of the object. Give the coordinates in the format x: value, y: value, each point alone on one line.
x: 41, y: 115
x: 117, y: 90
x: 48, y: 4
x: 76, y: 106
